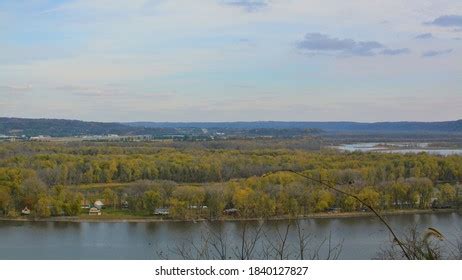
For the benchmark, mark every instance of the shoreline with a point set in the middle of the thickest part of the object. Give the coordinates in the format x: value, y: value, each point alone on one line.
x: 344, y: 215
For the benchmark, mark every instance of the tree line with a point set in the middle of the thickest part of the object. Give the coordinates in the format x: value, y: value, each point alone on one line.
x: 195, y: 182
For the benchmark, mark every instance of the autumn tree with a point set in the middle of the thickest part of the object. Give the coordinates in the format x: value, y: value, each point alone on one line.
x: 42, y: 206
x: 110, y: 197
x: 370, y: 196
x: 5, y: 200
x: 447, y: 193
x: 178, y: 208
x: 152, y: 200
x: 322, y: 199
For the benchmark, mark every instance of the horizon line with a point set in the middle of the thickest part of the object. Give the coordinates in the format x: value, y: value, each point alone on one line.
x: 234, y: 121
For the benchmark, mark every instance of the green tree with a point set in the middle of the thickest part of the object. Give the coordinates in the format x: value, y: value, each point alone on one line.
x: 422, y: 189
x: 178, y: 209
x: 152, y: 200
x: 30, y: 191
x: 110, y: 197
x: 215, y: 201
x: 42, y: 208
x: 243, y: 200
x: 350, y: 203
x: 323, y: 199
x: 399, y: 192
x: 5, y: 200
x: 447, y: 193
x: 193, y: 195
x: 370, y: 196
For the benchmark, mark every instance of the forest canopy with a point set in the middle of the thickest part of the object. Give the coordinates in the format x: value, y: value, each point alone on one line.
x: 203, y: 182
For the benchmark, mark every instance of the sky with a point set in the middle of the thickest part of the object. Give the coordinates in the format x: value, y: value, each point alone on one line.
x: 231, y: 60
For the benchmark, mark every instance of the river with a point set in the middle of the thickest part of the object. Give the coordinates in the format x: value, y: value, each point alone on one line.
x: 401, y: 148
x: 361, y: 237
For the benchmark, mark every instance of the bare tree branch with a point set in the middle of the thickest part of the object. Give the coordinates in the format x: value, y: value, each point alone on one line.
x: 332, y: 187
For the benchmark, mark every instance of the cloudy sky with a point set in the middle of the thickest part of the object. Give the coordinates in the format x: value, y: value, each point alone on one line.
x: 231, y: 60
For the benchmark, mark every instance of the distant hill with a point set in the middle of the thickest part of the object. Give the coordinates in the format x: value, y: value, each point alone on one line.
x: 333, y: 127
x: 62, y: 128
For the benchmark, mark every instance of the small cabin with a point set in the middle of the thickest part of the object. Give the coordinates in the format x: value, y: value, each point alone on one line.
x: 162, y: 211
x: 94, y: 211
x: 231, y: 212
x: 98, y: 204
x: 25, y: 211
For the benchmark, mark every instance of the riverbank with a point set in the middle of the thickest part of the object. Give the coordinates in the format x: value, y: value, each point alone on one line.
x: 137, y: 219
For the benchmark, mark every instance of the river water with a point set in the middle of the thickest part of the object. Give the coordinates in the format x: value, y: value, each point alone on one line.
x: 361, y: 237
x: 401, y: 148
